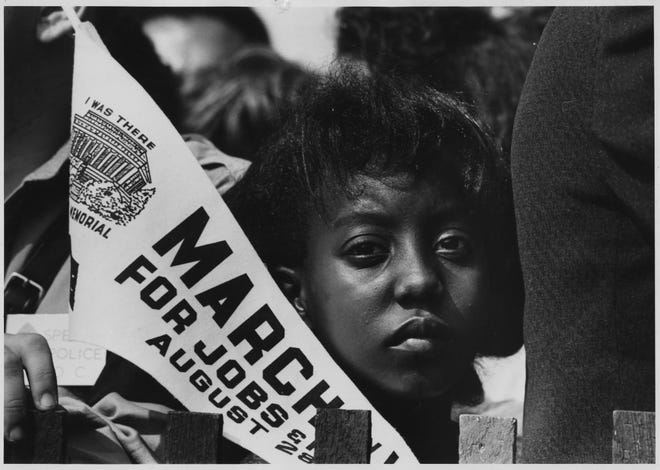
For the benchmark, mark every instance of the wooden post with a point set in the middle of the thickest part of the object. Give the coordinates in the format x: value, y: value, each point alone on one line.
x: 192, y: 437
x: 45, y: 440
x: 633, y: 437
x: 342, y: 436
x: 486, y: 439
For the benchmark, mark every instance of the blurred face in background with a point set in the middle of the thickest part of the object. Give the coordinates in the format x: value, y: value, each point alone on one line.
x: 190, y: 44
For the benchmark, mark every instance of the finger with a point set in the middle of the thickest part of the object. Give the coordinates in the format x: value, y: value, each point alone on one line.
x: 14, y: 393
x: 38, y: 363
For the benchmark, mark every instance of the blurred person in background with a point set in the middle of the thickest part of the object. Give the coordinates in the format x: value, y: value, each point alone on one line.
x: 466, y: 52
x: 196, y: 41
x: 246, y: 99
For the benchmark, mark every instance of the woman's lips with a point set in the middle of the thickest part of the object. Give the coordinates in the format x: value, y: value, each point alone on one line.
x: 420, y: 335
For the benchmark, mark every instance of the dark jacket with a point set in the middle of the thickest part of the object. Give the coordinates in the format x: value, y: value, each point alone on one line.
x: 582, y: 163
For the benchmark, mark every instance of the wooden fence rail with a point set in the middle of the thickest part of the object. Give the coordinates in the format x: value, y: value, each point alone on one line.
x: 342, y: 436
x: 633, y: 437
x: 486, y: 439
x: 45, y: 441
x: 204, y: 448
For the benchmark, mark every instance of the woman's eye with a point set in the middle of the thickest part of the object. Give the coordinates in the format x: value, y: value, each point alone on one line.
x: 365, y: 252
x: 453, y: 246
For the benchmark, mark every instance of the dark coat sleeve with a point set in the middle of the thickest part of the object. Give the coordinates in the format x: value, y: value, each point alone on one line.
x: 582, y: 164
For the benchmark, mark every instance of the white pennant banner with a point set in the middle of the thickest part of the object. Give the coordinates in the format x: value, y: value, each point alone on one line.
x: 163, y: 276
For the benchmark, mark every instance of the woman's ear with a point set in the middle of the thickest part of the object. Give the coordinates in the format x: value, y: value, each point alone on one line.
x: 290, y: 281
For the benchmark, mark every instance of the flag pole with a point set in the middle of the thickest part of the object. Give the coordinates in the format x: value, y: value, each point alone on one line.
x: 70, y: 12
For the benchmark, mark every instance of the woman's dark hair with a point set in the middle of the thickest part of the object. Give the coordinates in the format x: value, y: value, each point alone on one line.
x: 351, y: 124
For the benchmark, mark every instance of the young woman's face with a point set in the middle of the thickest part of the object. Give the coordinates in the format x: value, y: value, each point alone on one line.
x: 392, y: 283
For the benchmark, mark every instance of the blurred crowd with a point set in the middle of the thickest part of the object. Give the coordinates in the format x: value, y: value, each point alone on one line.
x: 226, y: 82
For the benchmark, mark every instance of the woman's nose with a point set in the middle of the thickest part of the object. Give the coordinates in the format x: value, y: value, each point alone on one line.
x: 418, y: 280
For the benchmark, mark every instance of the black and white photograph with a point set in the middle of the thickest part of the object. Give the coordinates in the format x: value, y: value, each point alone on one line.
x: 310, y: 232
